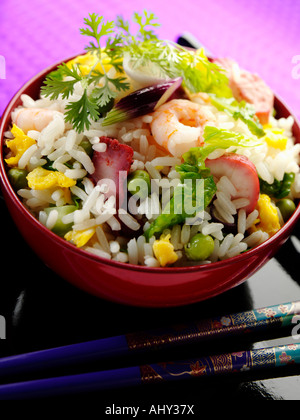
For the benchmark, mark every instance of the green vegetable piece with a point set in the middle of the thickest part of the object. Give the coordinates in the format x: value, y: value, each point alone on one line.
x: 287, y: 207
x: 48, y: 165
x: 200, y: 247
x: 215, y: 138
x: 139, y: 183
x: 87, y: 147
x: 17, y: 178
x: 240, y: 110
x: 184, y: 204
x: 287, y: 183
x: 61, y: 228
x: 194, y: 169
x: 279, y: 189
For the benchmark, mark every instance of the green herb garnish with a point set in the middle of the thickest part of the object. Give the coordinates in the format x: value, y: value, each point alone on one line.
x: 172, y: 60
x: 110, y: 42
x: 95, y: 97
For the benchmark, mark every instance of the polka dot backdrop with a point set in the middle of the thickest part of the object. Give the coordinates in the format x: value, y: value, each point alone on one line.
x: 263, y: 35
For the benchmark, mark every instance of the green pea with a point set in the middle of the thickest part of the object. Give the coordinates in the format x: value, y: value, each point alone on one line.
x: 139, y: 183
x: 61, y: 228
x: 87, y: 147
x: 286, y: 207
x: 200, y: 247
x: 17, y: 178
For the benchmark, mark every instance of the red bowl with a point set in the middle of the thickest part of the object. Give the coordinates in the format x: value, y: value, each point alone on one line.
x: 125, y: 283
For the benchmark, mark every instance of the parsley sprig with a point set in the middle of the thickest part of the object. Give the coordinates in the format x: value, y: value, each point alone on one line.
x: 111, y: 41
x: 99, y: 89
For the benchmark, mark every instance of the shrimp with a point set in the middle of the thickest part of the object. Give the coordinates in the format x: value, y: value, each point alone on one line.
x: 178, y: 125
x: 33, y: 118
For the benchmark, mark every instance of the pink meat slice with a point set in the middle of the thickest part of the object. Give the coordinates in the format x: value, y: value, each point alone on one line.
x: 112, y: 167
x: 249, y: 87
x: 241, y: 172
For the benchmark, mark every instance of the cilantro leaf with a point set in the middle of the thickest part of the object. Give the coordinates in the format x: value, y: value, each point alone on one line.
x: 96, y: 29
x: 55, y: 84
x: 80, y: 112
x: 103, y: 94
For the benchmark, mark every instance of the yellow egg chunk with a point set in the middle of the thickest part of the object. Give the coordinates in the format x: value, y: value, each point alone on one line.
x: 268, y: 219
x: 274, y: 138
x: 42, y: 179
x: 80, y: 237
x: 164, y: 251
x: 18, y: 145
x: 86, y: 62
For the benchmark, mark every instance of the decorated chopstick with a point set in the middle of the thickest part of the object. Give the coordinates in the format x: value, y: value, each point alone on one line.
x: 272, y: 317
x: 250, y: 360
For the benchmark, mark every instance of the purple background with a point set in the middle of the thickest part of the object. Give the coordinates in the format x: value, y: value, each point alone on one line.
x: 263, y: 35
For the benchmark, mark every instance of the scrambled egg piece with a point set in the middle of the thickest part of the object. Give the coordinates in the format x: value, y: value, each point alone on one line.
x: 80, y: 237
x: 268, y: 219
x: 86, y: 61
x: 18, y: 145
x: 164, y: 251
x: 41, y: 179
x: 274, y: 137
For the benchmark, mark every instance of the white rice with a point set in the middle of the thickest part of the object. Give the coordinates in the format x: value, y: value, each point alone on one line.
x: 128, y: 220
x: 60, y: 144
x: 212, y: 228
x: 52, y: 218
x: 151, y: 262
x: 100, y: 147
x: 84, y: 159
x: 133, y: 253
x: 102, y: 239
x: 84, y: 225
x: 165, y: 161
x: 52, y: 132
x: 153, y: 172
x: 99, y: 252
x: 254, y: 239
x: 242, y: 221
x: 78, y: 192
x: 27, y: 155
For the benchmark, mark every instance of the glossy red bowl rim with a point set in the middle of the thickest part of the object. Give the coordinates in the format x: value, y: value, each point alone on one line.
x: 127, y: 266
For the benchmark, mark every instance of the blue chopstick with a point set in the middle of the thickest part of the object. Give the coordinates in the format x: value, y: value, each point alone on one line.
x: 271, y: 317
x: 271, y: 357
x: 96, y: 350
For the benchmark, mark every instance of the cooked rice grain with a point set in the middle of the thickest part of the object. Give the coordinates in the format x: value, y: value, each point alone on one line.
x: 60, y: 144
